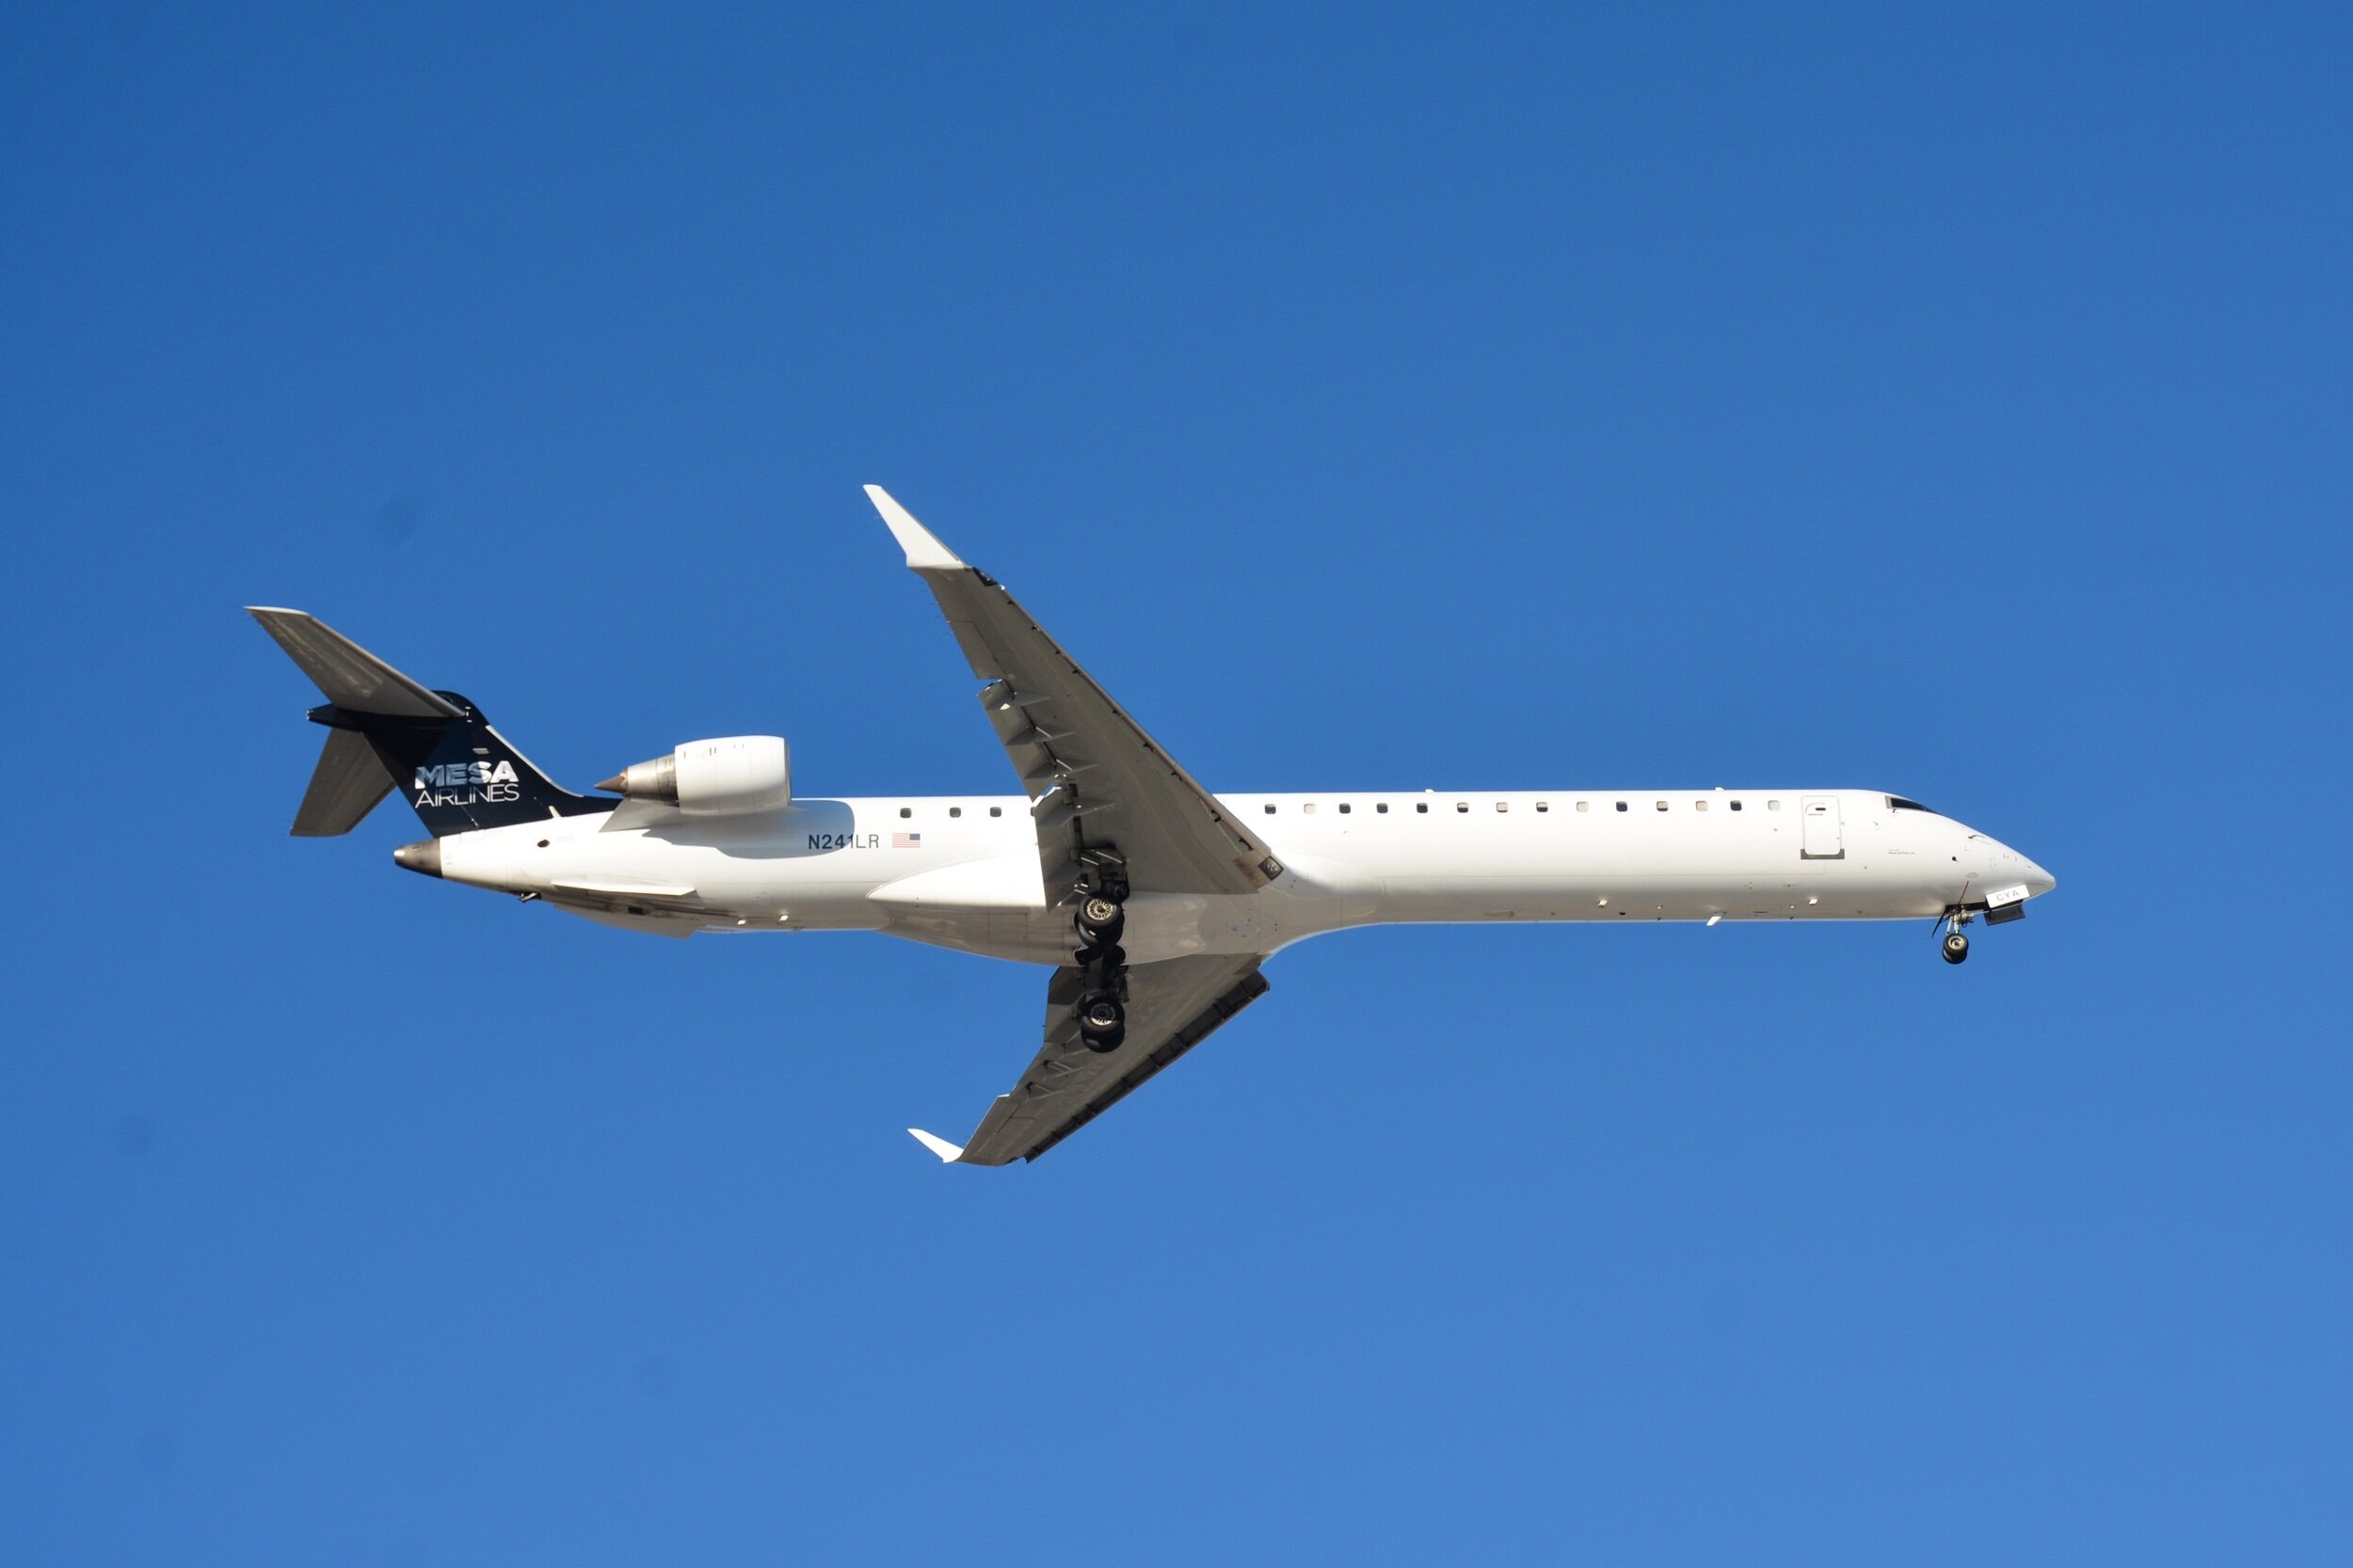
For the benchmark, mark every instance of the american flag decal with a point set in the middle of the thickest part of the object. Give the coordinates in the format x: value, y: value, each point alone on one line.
x: 906, y: 840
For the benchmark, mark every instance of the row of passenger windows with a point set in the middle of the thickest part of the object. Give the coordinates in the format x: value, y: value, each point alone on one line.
x: 1381, y: 808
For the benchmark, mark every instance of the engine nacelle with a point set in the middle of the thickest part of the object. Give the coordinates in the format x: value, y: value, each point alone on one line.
x: 713, y: 778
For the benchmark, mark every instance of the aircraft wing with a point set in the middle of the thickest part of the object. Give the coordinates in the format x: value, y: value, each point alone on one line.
x: 1172, y: 1007
x: 1096, y: 782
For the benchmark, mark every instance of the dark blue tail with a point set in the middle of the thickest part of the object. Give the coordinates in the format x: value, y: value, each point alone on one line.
x: 458, y: 772
x: 390, y: 733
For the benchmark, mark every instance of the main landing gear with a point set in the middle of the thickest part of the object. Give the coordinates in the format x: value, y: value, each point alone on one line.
x: 1102, y: 1021
x: 1102, y: 1009
x: 1101, y: 920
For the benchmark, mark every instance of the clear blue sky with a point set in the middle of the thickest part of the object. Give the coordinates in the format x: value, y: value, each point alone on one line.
x: 1375, y: 397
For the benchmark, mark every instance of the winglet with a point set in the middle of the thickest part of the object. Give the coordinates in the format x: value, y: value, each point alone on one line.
x: 948, y: 1153
x: 924, y: 553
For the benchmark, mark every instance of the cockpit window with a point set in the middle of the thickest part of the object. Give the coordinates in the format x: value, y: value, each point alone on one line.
x: 1897, y: 803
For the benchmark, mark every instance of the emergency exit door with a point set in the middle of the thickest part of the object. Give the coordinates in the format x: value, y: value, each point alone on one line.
x: 1819, y: 820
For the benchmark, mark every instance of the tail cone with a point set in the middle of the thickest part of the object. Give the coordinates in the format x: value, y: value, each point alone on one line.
x: 424, y: 856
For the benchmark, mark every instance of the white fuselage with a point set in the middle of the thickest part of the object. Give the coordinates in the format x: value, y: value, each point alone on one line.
x: 963, y: 871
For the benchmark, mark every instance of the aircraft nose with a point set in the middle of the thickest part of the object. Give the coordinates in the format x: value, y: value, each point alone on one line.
x: 2039, y: 881
x: 424, y: 856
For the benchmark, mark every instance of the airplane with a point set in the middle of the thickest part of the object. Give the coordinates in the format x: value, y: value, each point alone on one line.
x: 1154, y: 900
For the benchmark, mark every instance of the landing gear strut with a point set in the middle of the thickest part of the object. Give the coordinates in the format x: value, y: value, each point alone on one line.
x: 1956, y: 943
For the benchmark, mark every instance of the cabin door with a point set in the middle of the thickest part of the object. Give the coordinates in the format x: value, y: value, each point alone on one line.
x: 1819, y: 820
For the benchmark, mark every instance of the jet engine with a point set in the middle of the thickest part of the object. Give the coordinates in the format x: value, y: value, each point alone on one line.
x: 713, y: 778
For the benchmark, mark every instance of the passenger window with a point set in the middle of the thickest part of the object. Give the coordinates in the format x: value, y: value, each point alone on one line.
x: 1622, y: 806
x: 1461, y: 805
x: 1543, y: 805
x: 1422, y: 805
x: 996, y: 810
x: 1343, y: 808
x: 1772, y: 806
x: 1699, y: 806
x: 1735, y: 806
x: 907, y: 810
x: 1309, y: 808
x: 1662, y: 805
x: 1269, y: 807
x: 1503, y: 805
x: 1581, y: 805
x: 1383, y: 808
x: 955, y: 810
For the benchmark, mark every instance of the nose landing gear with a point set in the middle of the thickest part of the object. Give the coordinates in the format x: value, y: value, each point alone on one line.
x: 1955, y: 946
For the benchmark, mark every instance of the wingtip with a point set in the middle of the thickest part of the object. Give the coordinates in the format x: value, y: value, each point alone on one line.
x: 923, y: 549
x: 948, y: 1153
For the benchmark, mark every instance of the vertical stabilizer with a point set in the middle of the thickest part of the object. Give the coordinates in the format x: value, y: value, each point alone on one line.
x: 458, y: 772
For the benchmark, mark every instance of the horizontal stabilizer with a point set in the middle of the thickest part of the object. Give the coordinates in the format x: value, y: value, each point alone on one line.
x: 948, y: 1153
x: 345, y: 787
x: 349, y: 676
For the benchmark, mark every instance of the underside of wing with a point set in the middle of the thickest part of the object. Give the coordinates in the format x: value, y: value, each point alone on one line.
x: 1171, y: 1007
x: 1099, y: 787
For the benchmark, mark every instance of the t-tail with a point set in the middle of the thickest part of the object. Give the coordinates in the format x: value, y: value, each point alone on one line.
x: 385, y: 732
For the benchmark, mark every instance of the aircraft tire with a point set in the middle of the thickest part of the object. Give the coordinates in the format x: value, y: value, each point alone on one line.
x: 1101, y: 1013
x: 1101, y: 920
x: 1102, y: 1021
x: 1956, y: 948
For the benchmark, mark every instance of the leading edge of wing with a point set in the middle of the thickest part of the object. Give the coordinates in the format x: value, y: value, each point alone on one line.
x: 924, y: 551
x: 1095, y: 778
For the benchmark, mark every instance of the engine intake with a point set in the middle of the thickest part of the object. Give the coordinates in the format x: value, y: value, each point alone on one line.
x: 713, y: 778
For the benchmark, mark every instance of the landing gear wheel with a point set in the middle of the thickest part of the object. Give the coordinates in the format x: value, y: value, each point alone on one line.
x: 1102, y: 1021
x: 1101, y: 920
x: 1956, y: 948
